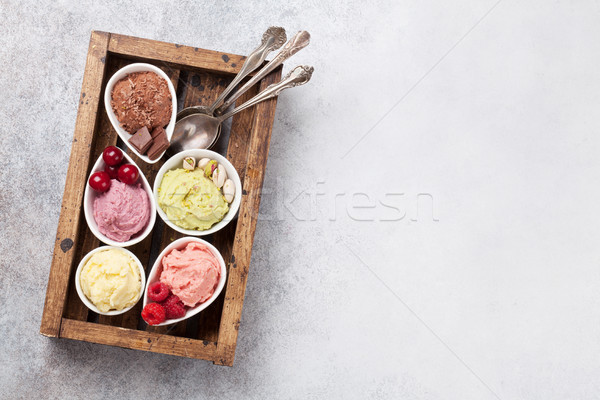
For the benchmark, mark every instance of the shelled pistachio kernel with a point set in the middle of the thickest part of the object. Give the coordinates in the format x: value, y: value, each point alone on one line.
x: 189, y: 163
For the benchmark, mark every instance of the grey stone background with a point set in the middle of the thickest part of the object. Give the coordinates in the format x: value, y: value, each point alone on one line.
x: 476, y: 120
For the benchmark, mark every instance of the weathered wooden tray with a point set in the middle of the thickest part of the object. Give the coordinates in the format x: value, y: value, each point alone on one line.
x: 199, y: 76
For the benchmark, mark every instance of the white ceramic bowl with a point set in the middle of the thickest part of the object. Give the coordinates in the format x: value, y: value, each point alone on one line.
x: 88, y: 206
x: 177, y: 162
x: 137, y: 67
x: 83, y: 297
x: 157, y: 269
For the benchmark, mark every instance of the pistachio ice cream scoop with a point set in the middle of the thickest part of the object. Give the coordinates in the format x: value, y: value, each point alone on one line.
x: 190, y: 199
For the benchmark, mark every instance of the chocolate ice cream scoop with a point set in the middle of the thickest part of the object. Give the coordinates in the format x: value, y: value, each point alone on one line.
x: 142, y: 99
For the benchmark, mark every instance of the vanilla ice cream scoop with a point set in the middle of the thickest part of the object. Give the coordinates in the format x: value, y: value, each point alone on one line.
x: 111, y: 280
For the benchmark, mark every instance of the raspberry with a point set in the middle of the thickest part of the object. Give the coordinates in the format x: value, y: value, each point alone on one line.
x: 172, y: 299
x: 174, y: 308
x: 158, y: 291
x: 153, y: 313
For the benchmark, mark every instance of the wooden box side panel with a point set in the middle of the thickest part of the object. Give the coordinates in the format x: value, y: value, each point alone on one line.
x: 68, y: 223
x: 138, y: 340
x: 183, y: 56
x: 239, y: 263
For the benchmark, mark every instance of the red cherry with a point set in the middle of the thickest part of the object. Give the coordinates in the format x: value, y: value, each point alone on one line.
x: 128, y: 174
x: 112, y: 171
x: 112, y: 155
x: 100, y: 181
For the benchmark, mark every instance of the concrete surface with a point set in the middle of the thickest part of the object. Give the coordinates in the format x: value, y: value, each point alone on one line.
x: 475, y: 120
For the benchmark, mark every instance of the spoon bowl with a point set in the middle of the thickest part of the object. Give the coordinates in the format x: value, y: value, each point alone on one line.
x: 192, y: 110
x: 195, y: 131
x: 201, y: 131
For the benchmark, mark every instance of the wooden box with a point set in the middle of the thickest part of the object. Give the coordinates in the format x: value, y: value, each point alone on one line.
x: 199, y: 76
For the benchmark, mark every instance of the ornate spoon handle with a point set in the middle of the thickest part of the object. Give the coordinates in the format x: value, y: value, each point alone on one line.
x: 296, y: 77
x: 272, y: 39
x: 295, y: 44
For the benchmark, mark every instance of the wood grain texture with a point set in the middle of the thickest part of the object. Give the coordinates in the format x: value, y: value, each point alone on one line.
x: 177, y: 54
x: 137, y: 340
x: 68, y: 223
x: 239, y: 264
x: 237, y: 152
x: 75, y: 309
x: 199, y: 88
x: 204, y: 88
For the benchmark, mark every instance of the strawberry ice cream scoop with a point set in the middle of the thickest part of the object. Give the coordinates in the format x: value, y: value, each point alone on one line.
x: 192, y: 274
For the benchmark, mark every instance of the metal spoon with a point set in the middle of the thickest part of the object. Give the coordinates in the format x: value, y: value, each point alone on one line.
x: 294, y: 45
x: 272, y: 39
x: 201, y: 131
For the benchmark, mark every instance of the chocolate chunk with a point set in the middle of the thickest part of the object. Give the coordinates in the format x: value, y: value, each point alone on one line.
x: 160, y: 144
x: 141, y: 140
x: 157, y: 131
